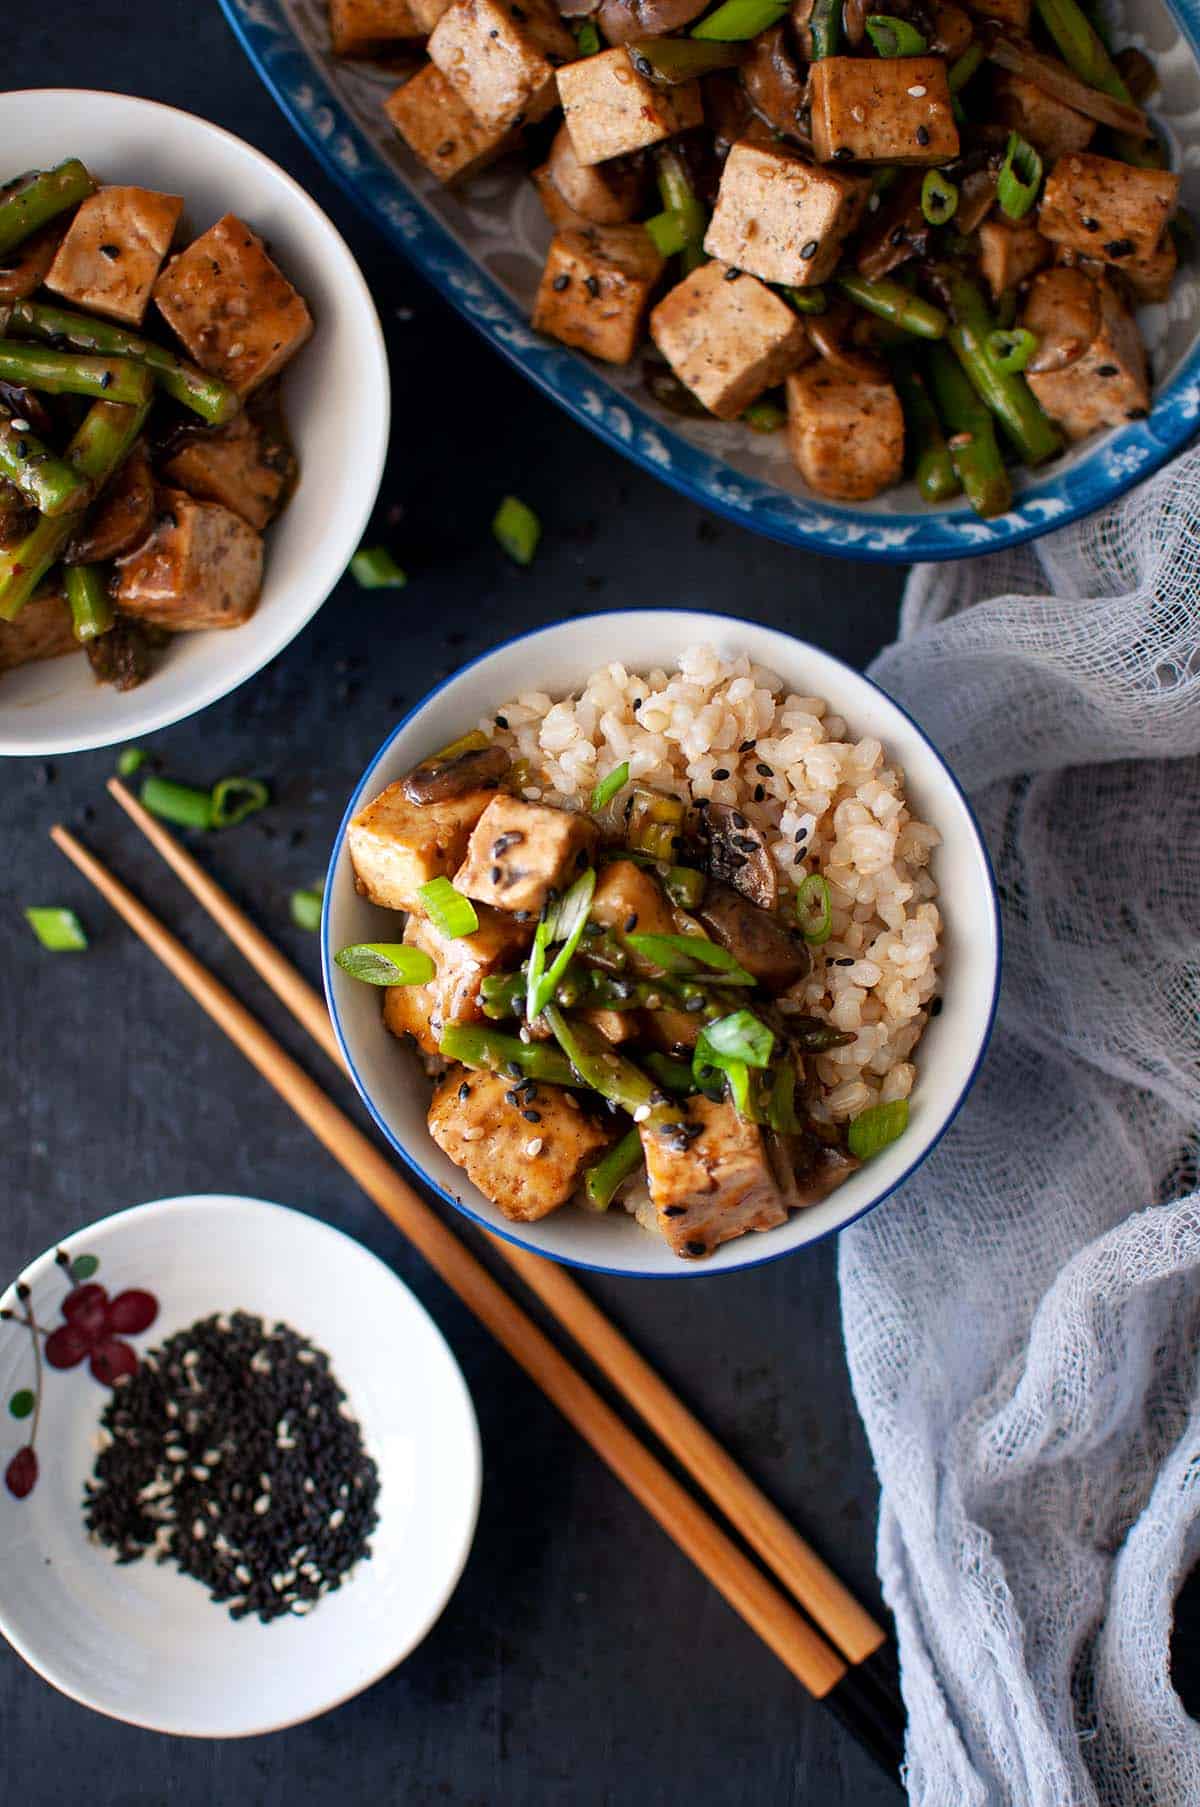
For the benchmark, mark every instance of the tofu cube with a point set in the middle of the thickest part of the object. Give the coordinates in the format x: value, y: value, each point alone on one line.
x: 236, y: 312
x: 439, y: 128
x: 1106, y: 209
x: 500, y: 56
x: 709, y: 1177
x: 845, y: 436
x: 396, y: 846
x: 1101, y: 378
x: 42, y: 630
x: 358, y: 27
x: 1016, y: 13
x: 610, y: 109
x: 200, y: 566
x: 463, y: 963
x: 527, y: 1169
x: 1010, y: 251
x: 728, y: 341
x: 882, y: 110
x: 596, y: 289
x: 627, y: 897
x: 780, y: 218
x: 110, y: 259
x: 1052, y: 127
x: 576, y: 194
x: 239, y: 466
x: 616, y: 1026
x: 1151, y: 277
x: 519, y: 852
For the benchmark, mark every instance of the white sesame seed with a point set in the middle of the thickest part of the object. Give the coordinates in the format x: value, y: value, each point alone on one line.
x: 19, y: 424
x: 534, y: 1146
x: 199, y: 1530
x: 641, y: 1113
x: 262, y: 1504
x: 336, y: 1518
x: 471, y: 1135
x: 918, y: 91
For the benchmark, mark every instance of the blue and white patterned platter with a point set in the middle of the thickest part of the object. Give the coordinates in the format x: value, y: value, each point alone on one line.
x: 483, y: 250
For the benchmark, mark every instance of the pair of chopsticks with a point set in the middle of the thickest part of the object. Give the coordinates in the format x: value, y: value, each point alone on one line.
x: 848, y: 1663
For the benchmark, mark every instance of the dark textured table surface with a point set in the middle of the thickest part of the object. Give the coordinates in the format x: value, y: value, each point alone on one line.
x: 582, y: 1659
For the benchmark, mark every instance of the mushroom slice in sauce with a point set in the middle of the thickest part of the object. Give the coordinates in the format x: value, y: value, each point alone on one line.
x: 436, y: 780
x: 755, y: 938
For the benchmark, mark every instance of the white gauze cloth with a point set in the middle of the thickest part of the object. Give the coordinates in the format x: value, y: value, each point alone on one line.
x: 1023, y: 1319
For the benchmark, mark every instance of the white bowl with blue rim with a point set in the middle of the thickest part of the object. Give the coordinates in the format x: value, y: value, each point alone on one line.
x: 483, y: 249
x: 558, y: 659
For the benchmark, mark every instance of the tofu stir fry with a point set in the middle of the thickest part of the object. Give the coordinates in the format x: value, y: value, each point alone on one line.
x: 914, y: 239
x: 610, y: 998
x: 139, y: 467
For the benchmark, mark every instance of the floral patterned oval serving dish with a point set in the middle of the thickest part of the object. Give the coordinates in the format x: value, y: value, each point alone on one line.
x: 483, y: 249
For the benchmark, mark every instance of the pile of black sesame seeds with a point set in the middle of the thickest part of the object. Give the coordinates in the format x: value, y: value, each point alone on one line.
x: 232, y: 1453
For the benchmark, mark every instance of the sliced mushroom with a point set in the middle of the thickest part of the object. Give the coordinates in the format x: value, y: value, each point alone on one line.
x: 898, y: 231
x: 772, y: 81
x: 436, y: 780
x: 121, y: 518
x: 835, y: 336
x: 726, y: 111
x: 622, y: 21
x: 738, y: 854
x: 756, y: 939
x: 24, y: 268
x: 820, y: 1168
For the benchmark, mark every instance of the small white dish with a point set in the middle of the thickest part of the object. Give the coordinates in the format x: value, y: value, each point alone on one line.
x: 335, y: 398
x: 146, y: 1644
x: 558, y: 660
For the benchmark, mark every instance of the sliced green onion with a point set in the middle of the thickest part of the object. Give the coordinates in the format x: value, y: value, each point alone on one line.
x: 963, y: 68
x: 474, y: 742
x: 374, y: 568
x: 781, y: 1104
x: 386, y: 963
x: 739, y: 19
x: 1011, y: 349
x: 814, y: 907
x: 131, y: 760
x: 601, y: 1182
x: 676, y: 228
x: 807, y: 301
x: 882, y: 1124
x: 451, y: 914
x: 567, y: 926
x: 306, y: 908
x: 233, y: 799
x: 674, y: 1075
x: 684, y: 886
x: 765, y: 417
x: 741, y: 1036
x: 707, y: 1060
x: 1020, y: 177
x: 672, y: 61
x: 894, y: 37
x: 587, y: 38
x: 517, y: 529
x: 608, y: 787
x: 683, y: 953
x: 58, y: 930
x: 181, y: 804
x: 939, y: 198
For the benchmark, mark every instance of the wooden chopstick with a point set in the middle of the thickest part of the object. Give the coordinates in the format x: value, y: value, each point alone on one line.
x: 824, y: 1598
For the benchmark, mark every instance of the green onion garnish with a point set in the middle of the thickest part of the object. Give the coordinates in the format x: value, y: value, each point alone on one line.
x: 963, y: 68
x: 676, y: 228
x: 131, y: 760
x: 608, y: 787
x: 882, y: 1124
x: 386, y: 963
x: 1011, y: 349
x: 517, y: 529
x: 58, y: 930
x: 741, y: 1036
x: 781, y: 1102
x: 894, y: 37
x: 807, y: 301
x: 181, y: 804
x: 374, y: 568
x: 707, y: 1061
x: 233, y: 799
x: 306, y: 908
x: 587, y: 38
x: 451, y: 914
x: 814, y: 907
x: 673, y: 1075
x: 566, y: 924
x: 765, y: 417
x: 738, y: 19
x: 684, y: 886
x: 1020, y: 177
x: 683, y: 953
x: 939, y: 198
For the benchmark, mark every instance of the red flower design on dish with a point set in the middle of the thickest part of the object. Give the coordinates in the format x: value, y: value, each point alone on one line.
x: 94, y: 1327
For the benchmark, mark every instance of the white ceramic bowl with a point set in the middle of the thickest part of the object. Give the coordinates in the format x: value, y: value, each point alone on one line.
x: 558, y: 659
x: 146, y: 1644
x: 335, y: 400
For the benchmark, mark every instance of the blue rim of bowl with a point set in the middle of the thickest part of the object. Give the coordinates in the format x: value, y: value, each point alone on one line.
x: 299, y: 84
x: 686, y: 1270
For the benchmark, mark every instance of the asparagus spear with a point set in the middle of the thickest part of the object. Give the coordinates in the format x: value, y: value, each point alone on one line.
x: 69, y: 373
x: 972, y: 437
x: 674, y: 1075
x: 30, y: 201
x: 825, y: 28
x: 933, y: 467
x: 476, y: 1046
x: 892, y: 301
x: 1005, y: 393
x: 679, y: 198
x: 102, y: 441
x: 92, y: 611
x: 205, y: 395
x: 42, y: 478
x: 670, y: 61
x: 600, y: 1182
x: 602, y: 1069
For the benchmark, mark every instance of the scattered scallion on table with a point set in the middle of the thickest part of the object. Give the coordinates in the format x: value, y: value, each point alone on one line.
x: 233, y: 799
x: 374, y: 568
x: 517, y: 530
x: 877, y: 1127
x: 181, y: 804
x: 451, y: 914
x: 131, y: 760
x: 306, y: 908
x: 59, y: 931
x: 386, y: 963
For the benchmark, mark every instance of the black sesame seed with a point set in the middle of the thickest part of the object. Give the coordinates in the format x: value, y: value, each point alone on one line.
x: 1119, y: 247
x: 922, y: 134
x: 846, y: 960
x: 732, y: 274
x: 935, y: 1009
x: 798, y: 858
x: 1088, y: 223
x: 745, y: 843
x: 1136, y: 413
x: 532, y: 1116
x: 502, y: 721
x: 1106, y: 370
x: 644, y: 67
x: 898, y: 235
x: 721, y: 773
x: 445, y: 149
x: 631, y: 922
x: 747, y: 746
x: 106, y: 380
x: 764, y: 770
x: 560, y: 283
x: 674, y: 1210
x: 738, y: 820
x: 592, y: 285
x: 809, y: 251
x: 696, y: 1248
x: 759, y: 792
x: 110, y: 251
x: 801, y: 834
x: 843, y: 154
x: 464, y: 1092
x: 637, y: 703
x: 702, y: 803
x: 497, y: 874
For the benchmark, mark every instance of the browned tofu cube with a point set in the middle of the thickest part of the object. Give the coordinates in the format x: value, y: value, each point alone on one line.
x: 610, y: 109
x: 1016, y: 13
x: 882, y: 110
x: 1091, y: 341
x: 627, y: 897
x: 599, y: 194
x: 236, y: 312
x: 846, y: 437
x: 439, y: 128
x: 525, y: 1151
x: 239, y: 466
x: 728, y: 341
x: 359, y: 27
x: 1051, y: 127
x: 110, y: 259
x: 1151, y: 277
x: 596, y: 289
x: 1010, y: 251
x: 501, y: 57
x: 519, y: 852
x: 780, y: 218
x: 200, y: 566
x: 42, y: 630
x: 463, y: 963
x: 709, y: 1177
x: 396, y: 846
x: 1107, y: 209
x: 616, y: 1026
